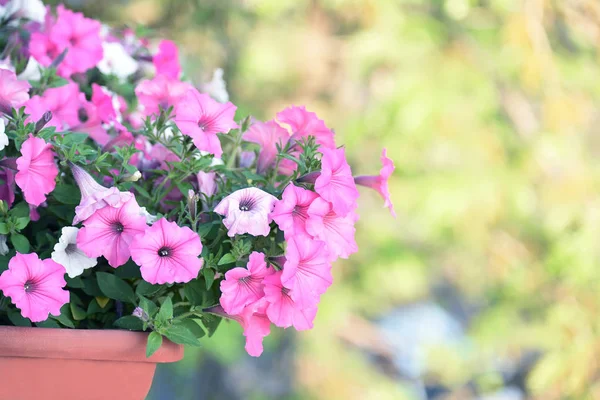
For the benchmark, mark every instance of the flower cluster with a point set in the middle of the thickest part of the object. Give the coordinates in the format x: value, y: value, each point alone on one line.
x: 163, y: 210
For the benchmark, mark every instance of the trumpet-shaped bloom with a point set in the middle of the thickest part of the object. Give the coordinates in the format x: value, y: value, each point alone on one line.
x: 337, y: 231
x: 37, y: 170
x: 336, y: 184
x: 268, y: 135
x: 304, y: 124
x: 166, y: 61
x: 380, y: 182
x: 13, y: 92
x: 160, y: 92
x: 243, y: 286
x: 63, y: 102
x: 110, y: 231
x: 7, y: 187
x: 247, y: 211
x: 167, y: 253
x: 67, y: 254
x: 282, y: 310
x: 207, y: 183
x: 291, y: 212
x: 35, y: 286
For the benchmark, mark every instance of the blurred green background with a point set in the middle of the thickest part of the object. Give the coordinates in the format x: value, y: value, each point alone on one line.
x: 486, y: 286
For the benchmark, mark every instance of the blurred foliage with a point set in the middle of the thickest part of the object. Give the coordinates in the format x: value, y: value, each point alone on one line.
x: 489, y: 109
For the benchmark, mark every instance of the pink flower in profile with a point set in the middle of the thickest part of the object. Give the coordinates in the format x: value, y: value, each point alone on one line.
x: 304, y: 124
x: 282, y: 310
x: 35, y: 286
x: 167, y: 253
x: 63, y: 102
x: 160, y: 92
x: 380, y: 182
x: 110, y: 231
x: 37, y: 170
x: 7, y: 187
x: 207, y: 183
x: 267, y: 135
x: 13, y: 92
x: 307, y: 269
x: 337, y: 231
x: 290, y: 213
x: 335, y: 183
x: 243, y: 286
x: 166, y: 61
x: 247, y: 211
x: 201, y: 118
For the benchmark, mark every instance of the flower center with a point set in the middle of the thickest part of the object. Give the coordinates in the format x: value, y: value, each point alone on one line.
x: 29, y: 286
x: 202, y: 124
x: 246, y: 204
x: 164, y: 251
x: 82, y: 114
x: 118, y: 227
x: 71, y: 248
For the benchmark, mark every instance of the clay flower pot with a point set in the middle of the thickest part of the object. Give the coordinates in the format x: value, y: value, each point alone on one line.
x: 41, y: 363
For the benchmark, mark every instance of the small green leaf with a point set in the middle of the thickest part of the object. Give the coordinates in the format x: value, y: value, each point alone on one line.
x: 154, y: 343
x: 115, y: 288
x: 129, y: 322
x: 194, y: 326
x: 20, y: 243
x: 67, y: 194
x: 21, y: 222
x: 17, y: 319
x: 3, y: 228
x: 211, y: 322
x: 64, y: 317
x: 78, y: 313
x: 74, y: 283
x: 226, y: 259
x: 148, y: 306
x: 193, y: 292
x: 181, y: 335
x: 49, y: 323
x: 166, y: 311
x: 209, y: 276
x: 19, y: 210
x: 147, y: 289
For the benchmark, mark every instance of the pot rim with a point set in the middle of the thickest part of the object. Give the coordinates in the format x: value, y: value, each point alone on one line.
x: 83, y: 344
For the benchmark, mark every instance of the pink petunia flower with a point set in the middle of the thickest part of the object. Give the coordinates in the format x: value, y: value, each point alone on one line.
x: 268, y: 135
x: 290, y: 213
x: 91, y: 118
x: 160, y: 92
x: 304, y: 124
x: 337, y: 231
x: 35, y: 286
x: 282, y: 310
x: 307, y: 270
x: 110, y: 231
x: 380, y: 182
x: 37, y: 170
x: 62, y: 101
x: 207, y: 183
x: 13, y: 92
x: 335, y: 183
x: 243, y: 286
x: 201, y: 118
x: 247, y: 211
x: 7, y: 187
x: 166, y: 61
x: 167, y: 253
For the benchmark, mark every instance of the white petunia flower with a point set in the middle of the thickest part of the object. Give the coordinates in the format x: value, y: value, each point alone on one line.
x: 67, y: 254
x: 150, y: 219
x: 3, y: 137
x: 216, y: 88
x: 33, y: 10
x: 3, y: 246
x: 117, y: 61
x: 31, y: 71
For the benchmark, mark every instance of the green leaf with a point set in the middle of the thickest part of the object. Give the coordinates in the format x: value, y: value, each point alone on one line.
x: 115, y: 288
x: 194, y: 326
x: 49, y: 323
x: 147, y: 289
x: 78, y: 313
x: 154, y: 343
x: 193, y: 292
x: 166, y: 311
x: 3, y: 228
x: 19, y: 210
x: 21, y: 222
x: 211, y: 323
x: 181, y: 335
x: 74, y: 138
x: 226, y: 259
x: 209, y: 276
x: 128, y: 271
x: 64, y: 317
x: 20, y: 243
x: 74, y: 283
x: 129, y: 322
x: 17, y: 319
x: 91, y: 288
x: 67, y: 194
x: 148, y: 306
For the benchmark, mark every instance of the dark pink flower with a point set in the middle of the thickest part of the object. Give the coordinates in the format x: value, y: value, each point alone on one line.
x: 304, y: 124
x: 35, y: 286
x: 290, y: 213
x: 243, y: 286
x: 337, y: 231
x: 160, y: 92
x: 63, y: 102
x: 335, y: 183
x: 166, y: 61
x: 282, y: 310
x: 7, y: 187
x: 13, y: 92
x: 380, y: 182
x: 267, y: 135
x: 247, y: 211
x: 167, y: 253
x: 37, y: 170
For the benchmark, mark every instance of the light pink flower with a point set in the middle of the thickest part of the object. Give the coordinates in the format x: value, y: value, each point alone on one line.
x: 380, y: 182
x: 201, y: 118
x: 13, y: 92
x: 160, y: 92
x: 268, y: 135
x: 307, y: 270
x: 7, y: 188
x: 338, y: 232
x: 37, y: 170
x: 62, y: 101
x: 243, y: 286
x: 282, y: 310
x: 110, y: 231
x: 166, y: 61
x: 290, y: 213
x: 304, y: 124
x: 167, y: 253
x: 247, y: 211
x: 336, y: 184
x: 35, y: 286
x: 207, y: 183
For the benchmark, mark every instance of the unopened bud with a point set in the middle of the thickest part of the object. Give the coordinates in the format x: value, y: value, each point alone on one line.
x: 132, y: 177
x: 39, y: 125
x: 192, y: 203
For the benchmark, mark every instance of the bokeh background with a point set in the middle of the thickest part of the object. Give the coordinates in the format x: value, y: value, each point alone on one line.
x: 487, y: 284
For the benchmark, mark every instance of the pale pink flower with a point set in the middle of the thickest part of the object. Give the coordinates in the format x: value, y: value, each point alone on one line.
x: 267, y: 135
x: 13, y: 92
x: 167, y: 253
x: 110, y: 231
x: 290, y: 213
x: 201, y: 118
x: 35, y: 286
x: 37, y: 170
x: 282, y: 310
x: 243, y: 286
x: 7, y: 187
x: 304, y: 124
x: 247, y: 211
x: 160, y: 92
x: 166, y: 61
x: 63, y: 102
x: 335, y: 183
x: 337, y: 231
x: 380, y: 182
x: 207, y: 183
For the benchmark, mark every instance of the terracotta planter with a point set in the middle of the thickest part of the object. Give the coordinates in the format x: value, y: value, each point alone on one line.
x: 39, y: 363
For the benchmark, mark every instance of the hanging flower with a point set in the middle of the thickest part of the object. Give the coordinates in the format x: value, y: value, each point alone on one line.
x: 166, y: 61
x: 282, y: 310
x: 13, y: 92
x: 37, y: 170
x: 247, y: 211
x: 337, y: 231
x: 290, y: 213
x: 109, y: 232
x: 160, y: 92
x: 304, y: 124
x: 268, y: 135
x: 243, y: 286
x: 67, y: 254
x: 35, y: 286
x: 167, y: 253
x: 7, y: 187
x: 380, y: 182
x: 335, y: 183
